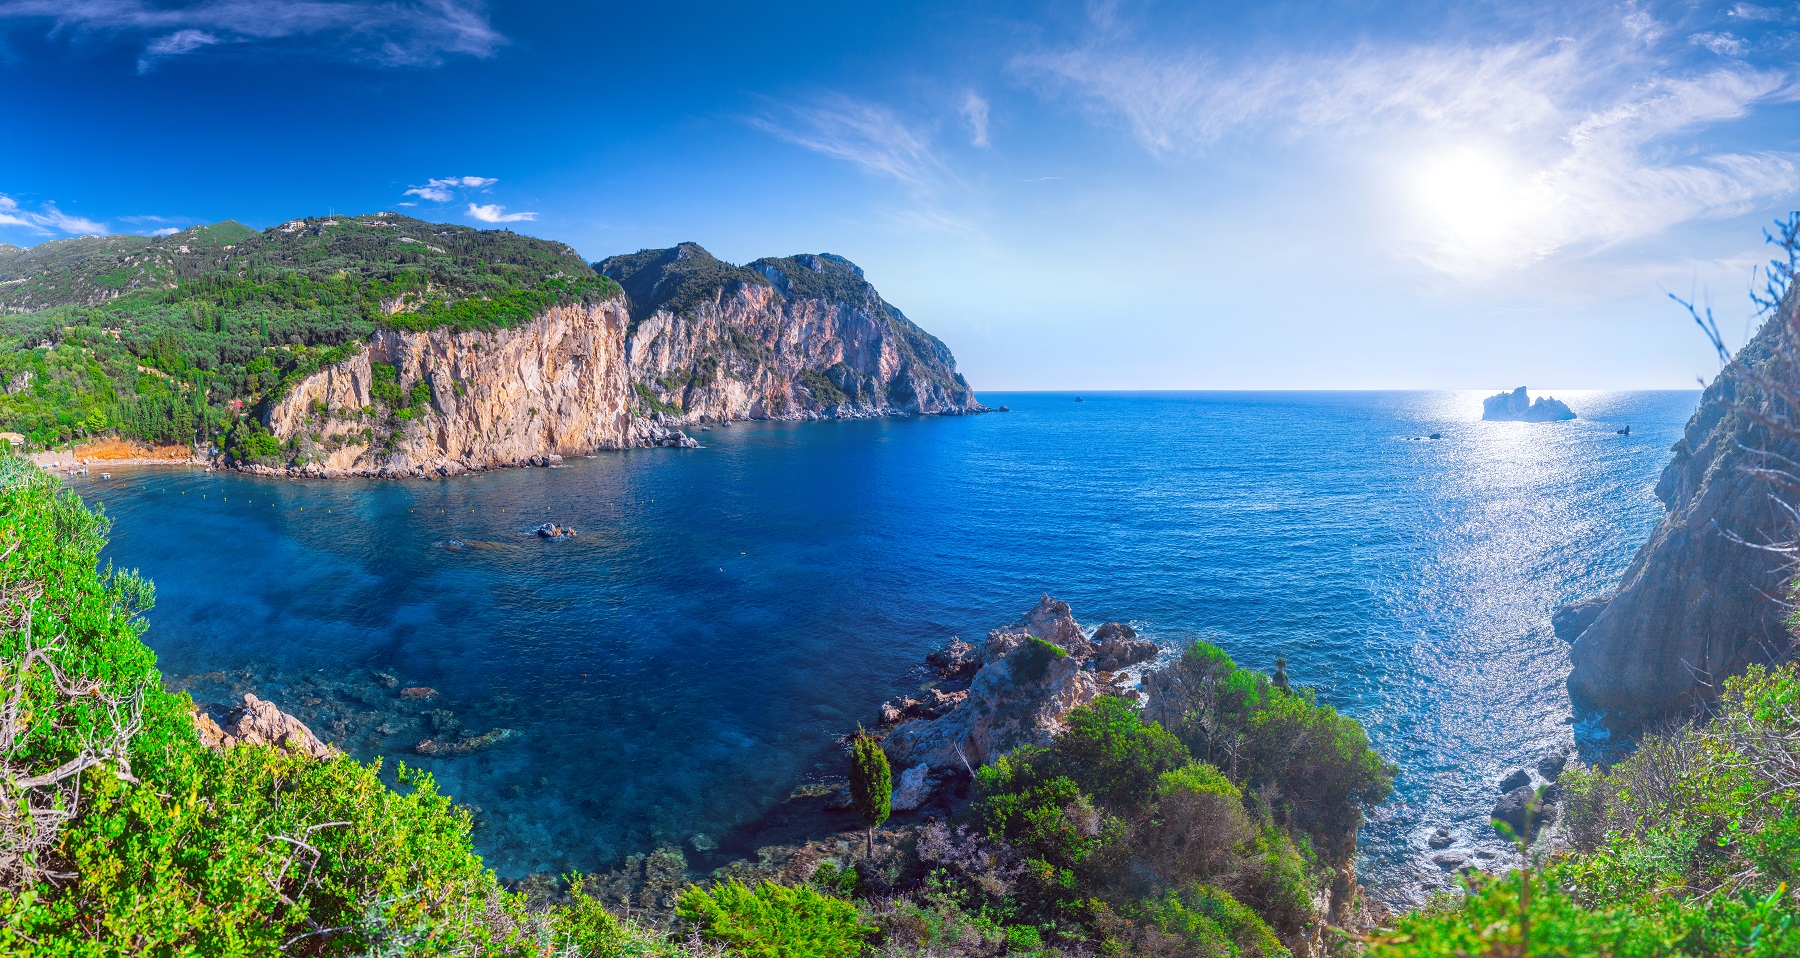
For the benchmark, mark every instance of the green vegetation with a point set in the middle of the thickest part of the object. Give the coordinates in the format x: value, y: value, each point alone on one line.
x: 871, y: 784
x: 1127, y: 843
x: 774, y: 921
x: 1691, y: 847
x: 156, y: 339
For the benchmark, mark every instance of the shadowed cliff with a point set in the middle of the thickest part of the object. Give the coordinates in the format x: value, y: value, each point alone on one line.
x: 1700, y: 602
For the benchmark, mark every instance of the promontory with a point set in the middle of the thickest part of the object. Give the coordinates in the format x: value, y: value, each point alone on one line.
x: 382, y: 345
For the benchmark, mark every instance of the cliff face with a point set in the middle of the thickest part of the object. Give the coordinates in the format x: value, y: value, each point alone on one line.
x: 1696, y: 606
x: 458, y: 401
x: 803, y: 337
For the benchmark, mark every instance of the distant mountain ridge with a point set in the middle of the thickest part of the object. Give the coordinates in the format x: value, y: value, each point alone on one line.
x: 216, y: 329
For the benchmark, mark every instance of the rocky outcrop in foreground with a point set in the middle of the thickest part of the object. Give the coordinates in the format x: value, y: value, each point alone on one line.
x: 1698, y: 605
x: 798, y: 337
x: 1516, y: 406
x: 257, y: 722
x: 1016, y: 689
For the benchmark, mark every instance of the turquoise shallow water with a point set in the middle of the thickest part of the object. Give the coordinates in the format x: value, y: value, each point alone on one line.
x: 726, y: 612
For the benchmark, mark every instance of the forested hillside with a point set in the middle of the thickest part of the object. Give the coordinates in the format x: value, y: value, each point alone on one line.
x: 161, y: 339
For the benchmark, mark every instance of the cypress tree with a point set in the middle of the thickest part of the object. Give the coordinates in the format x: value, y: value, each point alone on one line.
x: 871, y: 784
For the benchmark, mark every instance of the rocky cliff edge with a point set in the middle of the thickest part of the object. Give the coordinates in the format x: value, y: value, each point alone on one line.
x: 1698, y: 604
x: 444, y: 402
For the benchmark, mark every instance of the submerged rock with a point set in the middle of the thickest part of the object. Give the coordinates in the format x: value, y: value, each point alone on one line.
x: 1516, y: 406
x: 464, y: 746
x: 1439, y: 838
x: 419, y: 692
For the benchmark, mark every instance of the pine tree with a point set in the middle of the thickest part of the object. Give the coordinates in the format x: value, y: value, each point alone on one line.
x: 871, y: 784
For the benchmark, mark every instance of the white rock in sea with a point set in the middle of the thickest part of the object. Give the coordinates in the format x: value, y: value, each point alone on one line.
x: 1516, y: 406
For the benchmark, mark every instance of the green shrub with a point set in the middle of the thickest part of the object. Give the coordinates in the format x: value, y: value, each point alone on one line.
x: 1209, y: 922
x: 1317, y: 765
x: 774, y: 921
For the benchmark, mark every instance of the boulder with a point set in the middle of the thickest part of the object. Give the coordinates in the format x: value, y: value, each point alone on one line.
x: 913, y: 789
x: 1439, y: 838
x: 258, y: 722
x: 1516, y: 808
x: 1450, y: 861
x: 1117, y: 646
x: 954, y: 662
x: 1551, y: 766
x: 1573, y: 619
x: 1517, y: 778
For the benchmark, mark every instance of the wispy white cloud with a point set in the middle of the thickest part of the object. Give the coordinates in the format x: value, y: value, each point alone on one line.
x: 975, y: 111
x: 1512, y: 151
x: 166, y: 231
x: 1754, y: 13
x: 868, y: 135
x: 46, y: 220
x: 495, y: 213
x: 444, y: 190
x: 1724, y: 44
x: 385, y: 32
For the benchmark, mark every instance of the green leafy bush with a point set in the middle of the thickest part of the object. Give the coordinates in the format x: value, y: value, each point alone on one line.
x: 1316, y: 765
x: 774, y: 921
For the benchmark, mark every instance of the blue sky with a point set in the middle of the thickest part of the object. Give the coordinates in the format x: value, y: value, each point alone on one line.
x: 1072, y: 195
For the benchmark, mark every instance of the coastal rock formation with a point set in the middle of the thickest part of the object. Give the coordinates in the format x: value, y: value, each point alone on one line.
x: 800, y: 337
x: 556, y: 386
x: 1516, y: 406
x: 1029, y: 676
x: 258, y: 722
x: 1697, y: 604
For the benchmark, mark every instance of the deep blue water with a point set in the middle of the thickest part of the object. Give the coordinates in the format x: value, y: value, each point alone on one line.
x: 727, y: 611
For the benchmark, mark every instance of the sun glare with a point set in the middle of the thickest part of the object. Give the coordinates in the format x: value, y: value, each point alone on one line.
x: 1473, y: 204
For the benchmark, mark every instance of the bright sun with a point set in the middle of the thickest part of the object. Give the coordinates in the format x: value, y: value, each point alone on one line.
x: 1473, y: 203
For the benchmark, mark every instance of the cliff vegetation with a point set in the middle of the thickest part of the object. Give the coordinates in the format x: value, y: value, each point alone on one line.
x: 158, y: 339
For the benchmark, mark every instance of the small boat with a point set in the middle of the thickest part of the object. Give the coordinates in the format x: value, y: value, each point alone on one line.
x: 106, y: 475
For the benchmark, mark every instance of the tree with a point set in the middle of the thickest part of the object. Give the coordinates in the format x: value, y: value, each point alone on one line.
x: 871, y: 784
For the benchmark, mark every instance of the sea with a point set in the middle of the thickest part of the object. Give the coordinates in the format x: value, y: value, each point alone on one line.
x: 673, y: 674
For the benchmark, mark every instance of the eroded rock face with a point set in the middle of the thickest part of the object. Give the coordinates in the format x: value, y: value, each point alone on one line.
x: 801, y: 337
x: 258, y: 722
x: 557, y: 386
x: 1696, y: 606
